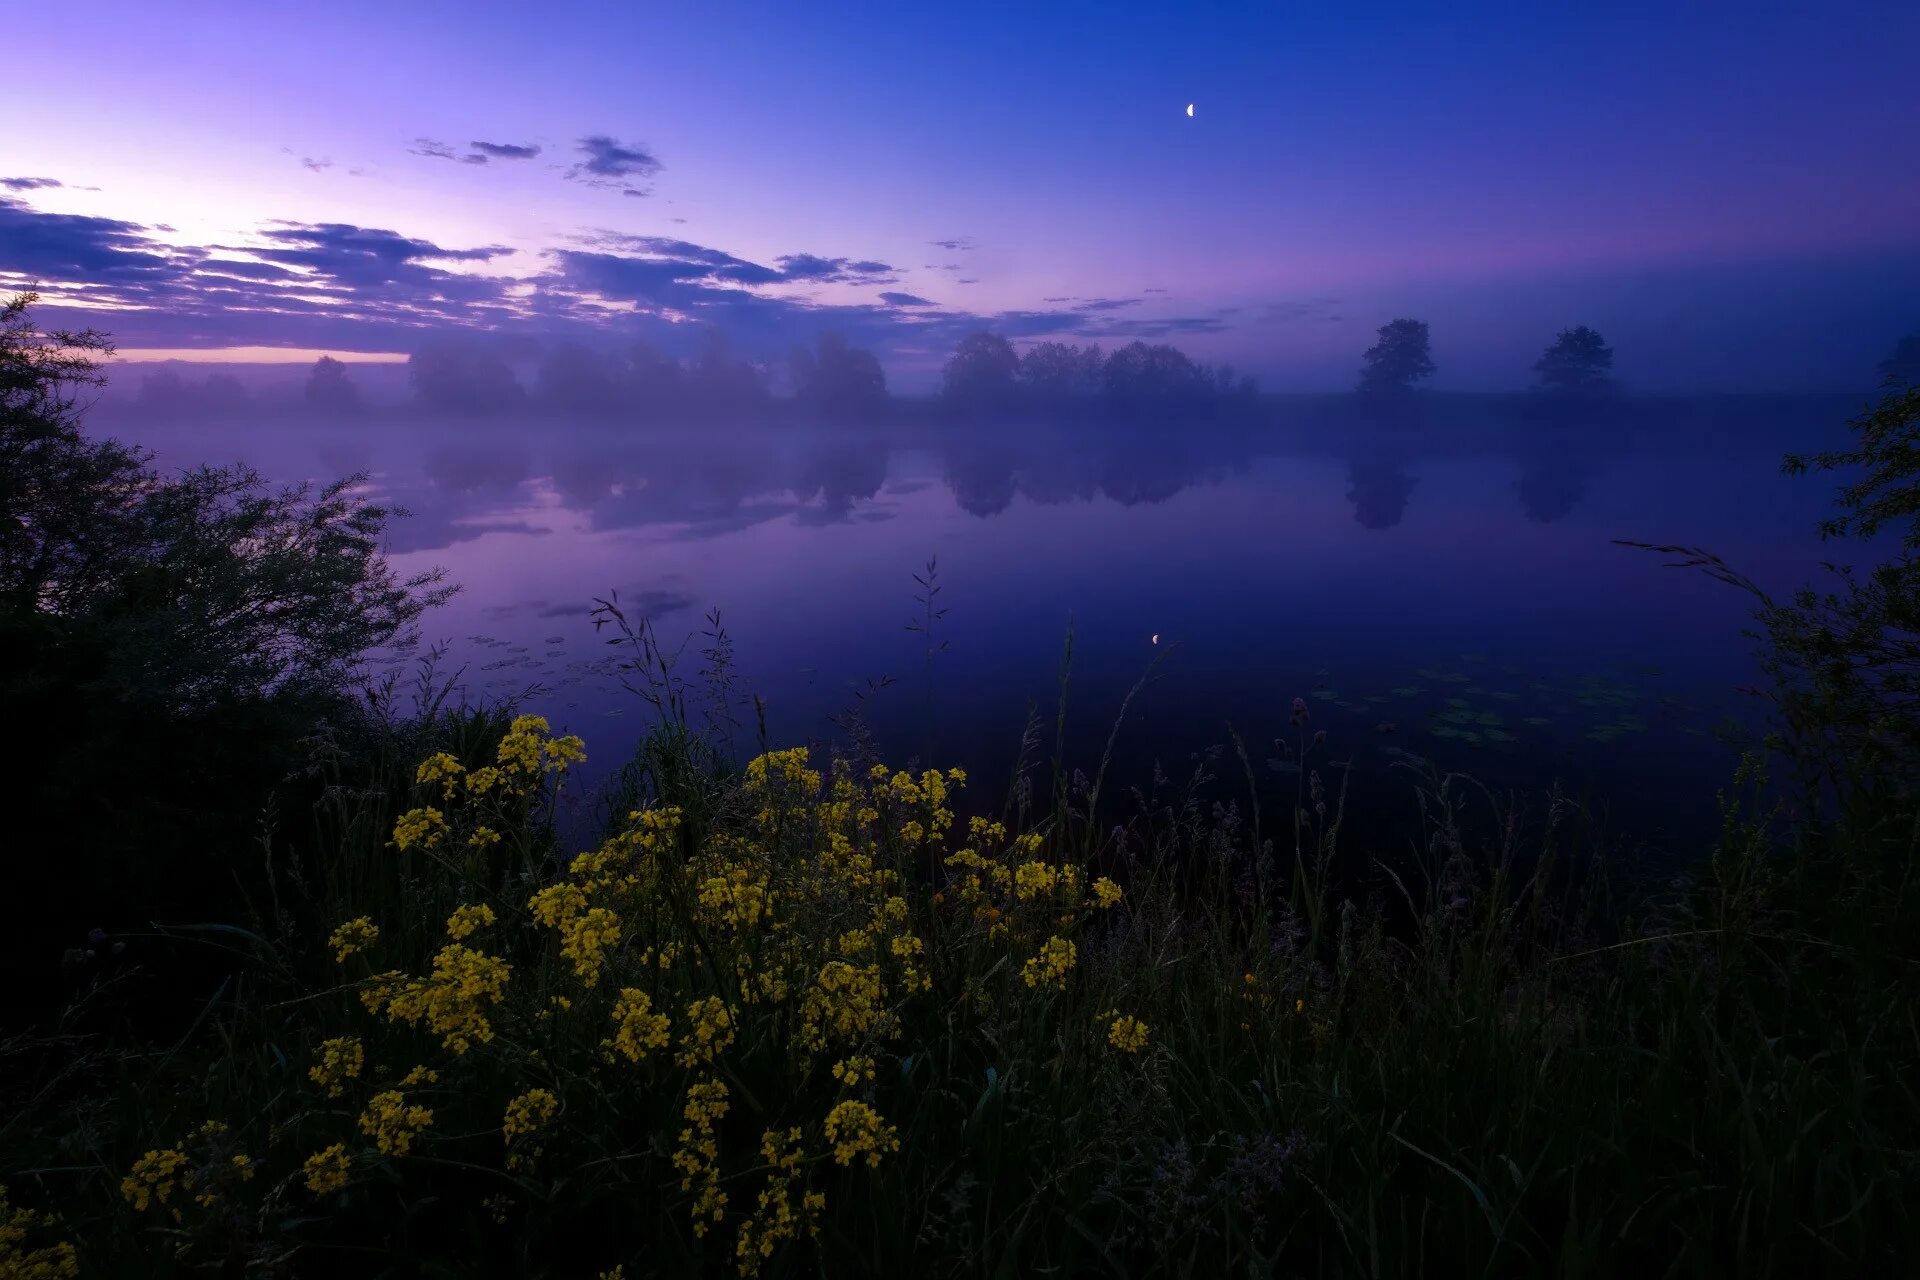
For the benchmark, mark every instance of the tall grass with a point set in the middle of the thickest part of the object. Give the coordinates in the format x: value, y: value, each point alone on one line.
x: 1273, y: 1054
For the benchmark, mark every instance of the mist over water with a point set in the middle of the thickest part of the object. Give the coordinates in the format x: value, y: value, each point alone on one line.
x: 1447, y: 587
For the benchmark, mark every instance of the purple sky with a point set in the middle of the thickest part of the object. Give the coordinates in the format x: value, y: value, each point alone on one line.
x: 1733, y: 199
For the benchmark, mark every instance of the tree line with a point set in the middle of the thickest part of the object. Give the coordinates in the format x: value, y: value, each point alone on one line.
x: 985, y: 371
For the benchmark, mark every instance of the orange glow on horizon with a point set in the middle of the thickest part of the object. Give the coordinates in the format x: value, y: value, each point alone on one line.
x: 251, y: 355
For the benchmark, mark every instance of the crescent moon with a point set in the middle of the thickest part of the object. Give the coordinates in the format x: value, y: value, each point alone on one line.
x: 1189, y: 111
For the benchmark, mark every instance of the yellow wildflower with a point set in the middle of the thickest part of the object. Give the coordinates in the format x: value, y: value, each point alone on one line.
x: 854, y: 1071
x: 391, y: 1123
x: 352, y: 938
x: 1056, y: 960
x: 1033, y: 879
x: 466, y: 921
x: 562, y: 752
x: 56, y: 1261
x: 1127, y: 1034
x: 425, y: 827
x: 856, y: 1129
x: 155, y: 1176
x: 439, y: 767
x: 340, y: 1061
x: 640, y: 1029
x: 709, y: 1031
x: 1105, y: 893
x: 327, y: 1170
x: 529, y: 1112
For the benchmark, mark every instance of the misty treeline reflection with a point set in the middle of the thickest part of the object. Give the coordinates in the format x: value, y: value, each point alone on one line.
x: 718, y: 479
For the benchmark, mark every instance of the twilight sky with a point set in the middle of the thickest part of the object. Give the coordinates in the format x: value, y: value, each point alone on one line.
x: 1733, y: 198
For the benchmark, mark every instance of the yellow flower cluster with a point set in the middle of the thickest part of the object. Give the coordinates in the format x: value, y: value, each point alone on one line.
x: 737, y: 899
x: 154, y: 1177
x: 779, y: 1217
x: 525, y: 749
x: 1105, y: 893
x: 326, y: 1171
x: 469, y: 920
x: 56, y: 1261
x: 425, y: 827
x: 856, y: 1129
x: 530, y: 1111
x: 392, y: 1123
x: 1127, y: 1034
x: 441, y: 767
x: 854, y: 1071
x: 341, y: 1060
x: 352, y: 938
x: 452, y: 1002
x: 846, y: 1003
x: 527, y: 1114
x: 638, y: 1029
x: 698, y: 1158
x: 710, y: 1029
x: 1052, y: 965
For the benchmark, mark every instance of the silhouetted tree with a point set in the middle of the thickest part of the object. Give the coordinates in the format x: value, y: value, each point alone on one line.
x: 982, y: 370
x: 458, y: 375
x: 1398, y: 359
x: 1579, y: 363
x: 1143, y: 373
x: 1901, y: 368
x: 836, y: 375
x: 329, y: 389
x: 1059, y: 370
x: 575, y: 378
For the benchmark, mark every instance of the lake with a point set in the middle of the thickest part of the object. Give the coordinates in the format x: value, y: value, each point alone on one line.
x: 1448, y: 589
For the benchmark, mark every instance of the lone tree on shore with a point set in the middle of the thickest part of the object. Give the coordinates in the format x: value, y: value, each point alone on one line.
x: 329, y: 389
x: 1398, y: 359
x: 1578, y: 363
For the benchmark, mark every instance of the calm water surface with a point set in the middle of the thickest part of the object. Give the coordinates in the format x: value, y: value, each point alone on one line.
x: 1451, y: 591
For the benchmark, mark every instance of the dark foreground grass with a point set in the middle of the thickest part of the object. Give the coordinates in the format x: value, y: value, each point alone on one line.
x: 801, y: 1019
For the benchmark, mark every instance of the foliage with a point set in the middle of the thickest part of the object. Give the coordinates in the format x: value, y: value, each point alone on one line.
x: 1579, y: 363
x: 983, y: 369
x: 1844, y: 659
x: 1060, y: 370
x: 464, y: 376
x: 837, y: 375
x: 142, y: 612
x: 849, y: 1029
x: 1398, y: 359
x: 330, y: 390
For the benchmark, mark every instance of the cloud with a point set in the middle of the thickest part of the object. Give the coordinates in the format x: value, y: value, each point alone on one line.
x: 1298, y: 309
x: 30, y: 184
x: 506, y: 150
x: 317, y: 166
x: 960, y: 244
x: 75, y: 247
x: 905, y: 300
x: 812, y: 267
x: 429, y: 147
x: 613, y: 165
x: 1106, y: 304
